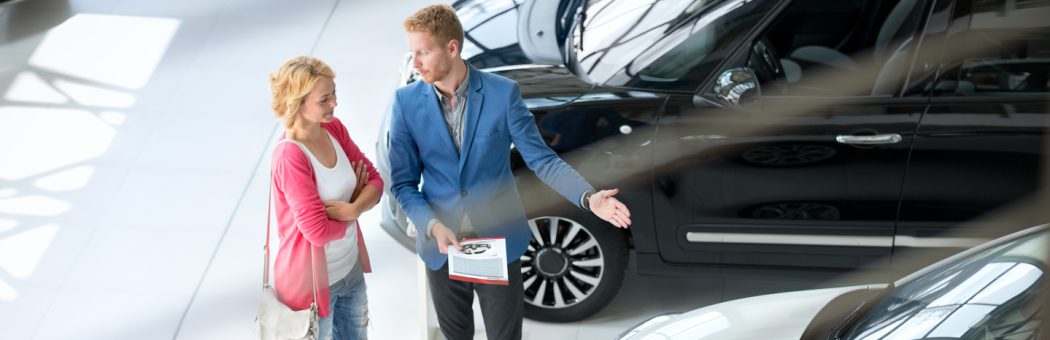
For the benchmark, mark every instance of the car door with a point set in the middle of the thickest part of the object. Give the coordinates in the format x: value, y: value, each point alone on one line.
x: 812, y: 176
x: 980, y: 149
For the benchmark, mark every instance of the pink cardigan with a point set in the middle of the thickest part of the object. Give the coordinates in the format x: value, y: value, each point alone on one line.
x: 302, y: 222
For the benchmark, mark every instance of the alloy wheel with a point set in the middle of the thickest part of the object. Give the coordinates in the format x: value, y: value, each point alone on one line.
x: 563, y: 264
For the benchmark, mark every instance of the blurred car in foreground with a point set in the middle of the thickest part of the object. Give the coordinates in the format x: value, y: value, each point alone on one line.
x: 988, y: 292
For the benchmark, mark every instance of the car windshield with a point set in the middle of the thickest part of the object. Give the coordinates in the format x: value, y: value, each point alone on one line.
x: 988, y: 295
x: 663, y: 45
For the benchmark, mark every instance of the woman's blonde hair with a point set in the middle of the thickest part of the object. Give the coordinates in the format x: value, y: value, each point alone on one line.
x: 438, y: 20
x: 292, y: 82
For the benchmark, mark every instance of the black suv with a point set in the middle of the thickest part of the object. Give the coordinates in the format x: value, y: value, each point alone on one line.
x: 769, y: 137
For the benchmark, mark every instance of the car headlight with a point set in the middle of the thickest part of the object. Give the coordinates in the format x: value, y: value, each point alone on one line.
x: 656, y: 320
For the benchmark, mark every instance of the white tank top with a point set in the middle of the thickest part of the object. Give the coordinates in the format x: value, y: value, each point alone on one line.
x: 336, y: 184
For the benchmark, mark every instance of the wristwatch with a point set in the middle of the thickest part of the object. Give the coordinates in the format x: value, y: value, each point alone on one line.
x: 587, y: 199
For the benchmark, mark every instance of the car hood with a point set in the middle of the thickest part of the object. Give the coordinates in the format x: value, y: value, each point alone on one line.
x: 774, y: 316
x: 543, y: 80
x: 547, y: 87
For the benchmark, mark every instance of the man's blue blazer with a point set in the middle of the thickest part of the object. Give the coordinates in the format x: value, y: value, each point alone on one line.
x: 477, y: 180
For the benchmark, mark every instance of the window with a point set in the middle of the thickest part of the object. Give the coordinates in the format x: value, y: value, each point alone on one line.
x: 1005, y: 50
x: 662, y: 45
x: 838, y: 48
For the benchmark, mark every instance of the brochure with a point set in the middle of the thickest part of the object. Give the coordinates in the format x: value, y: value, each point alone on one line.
x: 482, y: 260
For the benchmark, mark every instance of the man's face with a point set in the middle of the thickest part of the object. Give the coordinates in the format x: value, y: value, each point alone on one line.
x: 432, y: 60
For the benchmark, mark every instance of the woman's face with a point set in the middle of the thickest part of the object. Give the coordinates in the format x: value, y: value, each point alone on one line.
x: 319, y: 104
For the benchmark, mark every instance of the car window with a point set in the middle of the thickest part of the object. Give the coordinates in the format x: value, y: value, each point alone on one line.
x: 988, y: 295
x: 694, y: 45
x: 663, y: 45
x: 1004, y: 50
x: 838, y: 48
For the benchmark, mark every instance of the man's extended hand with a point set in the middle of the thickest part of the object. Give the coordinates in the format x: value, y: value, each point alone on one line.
x: 444, y: 237
x: 608, y: 208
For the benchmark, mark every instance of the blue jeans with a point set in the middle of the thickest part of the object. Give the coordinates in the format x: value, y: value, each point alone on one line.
x: 348, y: 315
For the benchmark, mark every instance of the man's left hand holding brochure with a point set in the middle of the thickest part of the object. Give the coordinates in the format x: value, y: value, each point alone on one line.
x: 481, y: 260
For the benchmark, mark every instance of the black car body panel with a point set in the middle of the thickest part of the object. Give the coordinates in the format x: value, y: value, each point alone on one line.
x: 774, y: 186
x: 739, y: 192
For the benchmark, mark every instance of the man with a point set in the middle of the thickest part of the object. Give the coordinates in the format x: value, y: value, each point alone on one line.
x: 454, y: 129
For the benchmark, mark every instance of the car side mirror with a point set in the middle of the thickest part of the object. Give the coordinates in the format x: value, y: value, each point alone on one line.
x: 738, y: 87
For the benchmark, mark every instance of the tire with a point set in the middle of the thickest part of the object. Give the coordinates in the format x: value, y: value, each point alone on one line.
x: 578, y: 274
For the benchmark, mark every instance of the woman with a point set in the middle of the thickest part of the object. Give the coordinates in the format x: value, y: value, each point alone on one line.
x: 321, y: 184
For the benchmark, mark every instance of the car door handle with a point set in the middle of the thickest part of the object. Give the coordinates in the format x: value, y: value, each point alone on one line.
x: 885, y: 138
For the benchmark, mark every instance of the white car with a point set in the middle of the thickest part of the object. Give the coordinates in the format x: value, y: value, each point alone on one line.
x: 987, y: 292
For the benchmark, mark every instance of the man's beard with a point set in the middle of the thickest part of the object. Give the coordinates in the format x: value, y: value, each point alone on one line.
x: 435, y: 74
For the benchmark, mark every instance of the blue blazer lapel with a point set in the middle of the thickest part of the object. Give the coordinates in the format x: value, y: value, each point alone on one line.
x: 433, y: 118
x: 474, y: 101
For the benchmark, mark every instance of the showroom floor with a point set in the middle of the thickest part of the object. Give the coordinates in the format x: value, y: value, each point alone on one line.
x: 133, y: 179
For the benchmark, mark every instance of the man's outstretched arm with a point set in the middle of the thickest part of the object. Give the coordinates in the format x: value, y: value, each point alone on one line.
x: 554, y: 171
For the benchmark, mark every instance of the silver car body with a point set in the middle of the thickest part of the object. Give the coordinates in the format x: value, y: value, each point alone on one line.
x: 777, y: 316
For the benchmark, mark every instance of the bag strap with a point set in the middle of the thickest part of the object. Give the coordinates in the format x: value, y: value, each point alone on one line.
x: 266, y: 248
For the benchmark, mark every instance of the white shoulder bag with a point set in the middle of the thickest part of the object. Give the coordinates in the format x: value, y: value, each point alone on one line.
x: 273, y: 319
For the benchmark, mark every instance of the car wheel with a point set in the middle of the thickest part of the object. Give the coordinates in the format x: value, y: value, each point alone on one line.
x: 571, y: 270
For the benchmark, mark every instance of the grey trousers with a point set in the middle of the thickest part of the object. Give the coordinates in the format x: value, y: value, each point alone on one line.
x: 501, y: 306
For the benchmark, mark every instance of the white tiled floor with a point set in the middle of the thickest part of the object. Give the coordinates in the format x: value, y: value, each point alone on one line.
x: 144, y: 219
